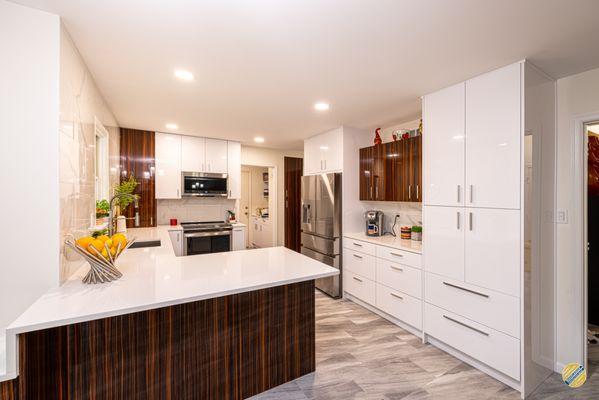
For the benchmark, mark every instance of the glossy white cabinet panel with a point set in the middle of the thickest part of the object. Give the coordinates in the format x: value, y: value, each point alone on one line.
x: 443, y: 147
x: 323, y: 153
x: 312, y: 158
x: 193, y: 151
x: 360, y: 287
x: 359, y: 263
x: 493, y: 139
x: 238, y: 238
x: 177, y: 241
x: 358, y: 245
x: 443, y: 239
x: 234, y: 169
x: 216, y: 156
x: 399, y: 256
x: 493, y: 249
x: 399, y: 277
x: 491, y: 347
x: 493, y: 309
x: 399, y: 305
x: 168, y: 166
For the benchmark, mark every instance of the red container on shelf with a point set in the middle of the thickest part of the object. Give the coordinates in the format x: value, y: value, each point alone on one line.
x: 174, y: 222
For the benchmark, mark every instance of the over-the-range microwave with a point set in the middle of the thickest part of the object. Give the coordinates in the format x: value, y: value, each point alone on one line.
x: 204, y: 184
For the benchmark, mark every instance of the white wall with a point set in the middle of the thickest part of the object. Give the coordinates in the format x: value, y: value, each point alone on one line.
x: 29, y: 232
x: 577, y: 97
x: 272, y: 158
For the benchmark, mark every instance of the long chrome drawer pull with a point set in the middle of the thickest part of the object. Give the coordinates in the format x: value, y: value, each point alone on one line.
x: 357, y: 279
x: 396, y: 254
x: 396, y: 295
x: 357, y: 244
x: 466, y: 290
x: 396, y: 268
x: 465, y: 325
x: 357, y: 256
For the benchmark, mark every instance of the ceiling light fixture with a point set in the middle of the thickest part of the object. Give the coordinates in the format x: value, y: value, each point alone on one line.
x: 259, y: 139
x: 184, y: 75
x: 172, y: 126
x: 320, y: 106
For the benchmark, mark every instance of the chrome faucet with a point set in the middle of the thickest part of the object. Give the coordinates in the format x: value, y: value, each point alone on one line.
x: 111, y: 208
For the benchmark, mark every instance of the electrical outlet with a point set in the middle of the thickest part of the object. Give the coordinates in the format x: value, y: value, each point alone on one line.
x: 561, y: 216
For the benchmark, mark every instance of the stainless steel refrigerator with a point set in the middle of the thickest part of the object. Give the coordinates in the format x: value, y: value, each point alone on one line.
x: 321, y: 226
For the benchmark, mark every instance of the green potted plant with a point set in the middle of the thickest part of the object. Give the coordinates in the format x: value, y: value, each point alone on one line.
x: 125, y: 187
x: 102, y: 211
x: 417, y: 233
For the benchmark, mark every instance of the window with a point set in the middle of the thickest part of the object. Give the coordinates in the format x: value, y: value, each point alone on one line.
x: 101, y: 165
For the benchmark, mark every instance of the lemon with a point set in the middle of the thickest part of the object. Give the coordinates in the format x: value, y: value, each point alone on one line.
x: 103, y: 238
x: 105, y: 254
x: 108, y: 243
x: 85, y: 241
x: 113, y: 251
x: 97, y: 244
x: 119, y: 238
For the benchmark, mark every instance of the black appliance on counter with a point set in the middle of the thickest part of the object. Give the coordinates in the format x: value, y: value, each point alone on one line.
x: 206, y: 237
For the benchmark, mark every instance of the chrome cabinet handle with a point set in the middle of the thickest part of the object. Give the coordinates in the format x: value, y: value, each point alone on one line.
x: 357, y: 256
x: 395, y: 268
x: 357, y: 244
x: 471, y: 192
x: 466, y: 290
x: 417, y: 192
x: 357, y: 279
x: 178, y: 195
x: 396, y: 295
x: 470, y: 221
x: 458, y: 219
x: 459, y: 192
x: 466, y: 326
x: 396, y: 254
x: 325, y: 164
x: 410, y: 192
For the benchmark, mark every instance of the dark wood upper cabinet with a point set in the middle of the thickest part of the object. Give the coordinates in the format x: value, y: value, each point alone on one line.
x: 392, y: 171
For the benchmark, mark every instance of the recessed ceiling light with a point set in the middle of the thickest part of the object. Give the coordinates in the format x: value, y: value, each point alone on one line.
x: 184, y: 75
x: 259, y: 139
x: 172, y: 126
x: 320, y: 106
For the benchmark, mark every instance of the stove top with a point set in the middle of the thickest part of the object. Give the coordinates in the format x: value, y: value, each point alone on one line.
x: 205, y: 226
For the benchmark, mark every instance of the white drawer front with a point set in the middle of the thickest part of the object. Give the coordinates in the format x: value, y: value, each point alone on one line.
x: 358, y: 245
x: 496, y: 310
x: 399, y: 256
x: 360, y: 287
x: 491, y: 347
x: 399, y: 277
x: 359, y: 263
x: 399, y: 305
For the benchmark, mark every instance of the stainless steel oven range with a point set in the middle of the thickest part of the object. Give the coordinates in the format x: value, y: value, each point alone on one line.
x: 206, y: 237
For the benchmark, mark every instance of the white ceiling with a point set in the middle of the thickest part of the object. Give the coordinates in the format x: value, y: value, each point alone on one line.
x: 260, y: 65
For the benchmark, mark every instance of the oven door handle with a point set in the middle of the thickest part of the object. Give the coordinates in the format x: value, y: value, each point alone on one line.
x: 208, y: 234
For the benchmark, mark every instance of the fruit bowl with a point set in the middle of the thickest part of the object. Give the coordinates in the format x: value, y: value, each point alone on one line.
x: 101, y: 253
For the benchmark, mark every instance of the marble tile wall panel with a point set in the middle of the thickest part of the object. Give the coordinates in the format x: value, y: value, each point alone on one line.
x: 410, y: 213
x: 194, y: 209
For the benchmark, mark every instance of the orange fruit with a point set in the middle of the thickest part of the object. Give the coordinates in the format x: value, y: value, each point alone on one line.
x: 85, y: 241
x: 103, y: 238
x: 119, y: 238
x: 97, y: 244
x: 108, y: 243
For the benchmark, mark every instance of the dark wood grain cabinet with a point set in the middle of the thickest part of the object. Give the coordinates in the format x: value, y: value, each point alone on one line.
x: 392, y: 171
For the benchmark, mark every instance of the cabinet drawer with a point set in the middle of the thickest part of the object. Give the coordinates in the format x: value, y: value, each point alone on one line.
x: 360, y: 287
x: 496, y: 310
x: 399, y: 256
x: 491, y: 347
x: 359, y: 263
x: 399, y: 277
x: 358, y: 245
x: 399, y: 305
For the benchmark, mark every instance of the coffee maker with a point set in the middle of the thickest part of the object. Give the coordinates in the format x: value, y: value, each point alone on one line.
x: 374, y: 223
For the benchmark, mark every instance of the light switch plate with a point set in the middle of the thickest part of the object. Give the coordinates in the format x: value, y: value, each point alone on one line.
x: 561, y: 216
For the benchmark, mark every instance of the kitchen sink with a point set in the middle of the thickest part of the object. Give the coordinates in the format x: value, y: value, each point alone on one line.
x: 138, y: 244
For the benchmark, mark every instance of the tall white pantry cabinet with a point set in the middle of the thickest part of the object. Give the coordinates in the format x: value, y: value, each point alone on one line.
x: 486, y: 294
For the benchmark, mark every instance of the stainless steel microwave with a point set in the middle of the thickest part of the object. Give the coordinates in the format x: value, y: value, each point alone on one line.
x: 204, y: 184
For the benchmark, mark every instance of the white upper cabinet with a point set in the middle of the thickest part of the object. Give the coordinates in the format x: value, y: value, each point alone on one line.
x: 493, y: 249
x: 168, y: 166
x: 443, y: 238
x: 216, y: 156
x: 324, y: 153
x: 443, y: 146
x: 493, y: 137
x: 234, y: 169
x: 193, y: 150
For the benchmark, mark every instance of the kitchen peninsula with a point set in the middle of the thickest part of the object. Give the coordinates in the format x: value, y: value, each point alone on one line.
x: 224, y: 325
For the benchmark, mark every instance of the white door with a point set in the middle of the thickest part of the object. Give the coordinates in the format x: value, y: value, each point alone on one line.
x: 493, y: 249
x: 193, y: 150
x: 244, y: 205
x: 234, y: 169
x: 312, y: 156
x: 216, y: 156
x: 168, y: 166
x: 443, y: 147
x: 443, y: 238
x: 330, y: 145
x: 493, y: 136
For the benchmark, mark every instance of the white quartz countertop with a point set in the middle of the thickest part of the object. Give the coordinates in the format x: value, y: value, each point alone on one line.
x: 389, y: 241
x: 154, y: 277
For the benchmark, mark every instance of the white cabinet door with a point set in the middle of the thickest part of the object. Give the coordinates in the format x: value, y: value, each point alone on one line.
x: 493, y: 249
x: 238, y: 239
x: 177, y: 242
x: 493, y: 136
x: 443, y: 147
x: 444, y: 241
x: 168, y: 166
x: 234, y: 169
x: 193, y: 150
x: 312, y: 156
x: 216, y: 156
x: 331, y: 150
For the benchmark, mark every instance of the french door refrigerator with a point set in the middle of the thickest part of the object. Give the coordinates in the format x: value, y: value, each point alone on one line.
x: 321, y: 226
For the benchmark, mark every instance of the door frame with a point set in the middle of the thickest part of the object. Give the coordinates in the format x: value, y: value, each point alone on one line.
x: 272, y: 198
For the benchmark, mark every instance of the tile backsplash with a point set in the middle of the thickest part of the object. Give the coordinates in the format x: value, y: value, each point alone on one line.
x: 410, y: 213
x: 194, y: 209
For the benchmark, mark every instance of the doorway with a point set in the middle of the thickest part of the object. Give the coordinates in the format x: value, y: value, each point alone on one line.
x: 293, y: 181
x: 592, y: 221
x: 257, y: 205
